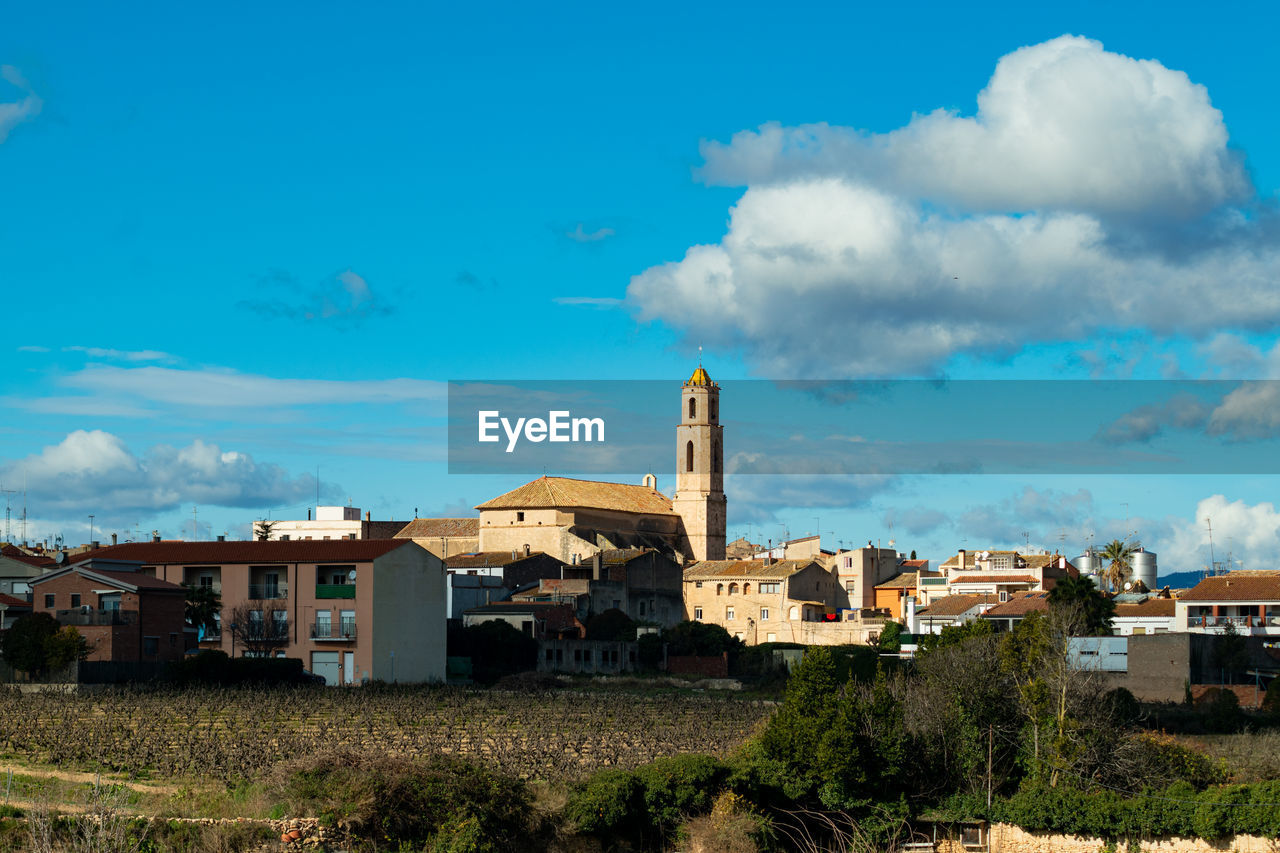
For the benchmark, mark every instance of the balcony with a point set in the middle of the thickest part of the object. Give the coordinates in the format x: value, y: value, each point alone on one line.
x: 268, y: 591
x: 342, y: 630
x: 335, y: 590
x: 1271, y: 621
x: 87, y: 616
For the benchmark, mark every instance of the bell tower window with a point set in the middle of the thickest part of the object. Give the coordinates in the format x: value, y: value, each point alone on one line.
x: 688, y: 457
x: 693, y: 408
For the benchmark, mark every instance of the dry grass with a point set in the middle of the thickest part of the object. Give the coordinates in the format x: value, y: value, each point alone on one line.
x: 1249, y: 756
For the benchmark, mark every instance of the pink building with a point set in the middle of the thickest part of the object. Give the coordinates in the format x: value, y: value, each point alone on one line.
x: 351, y: 609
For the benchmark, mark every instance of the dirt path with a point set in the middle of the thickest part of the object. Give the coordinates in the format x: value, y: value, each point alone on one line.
x: 141, y: 786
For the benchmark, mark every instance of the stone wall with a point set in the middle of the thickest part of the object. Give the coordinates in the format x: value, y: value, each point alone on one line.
x: 1006, y: 838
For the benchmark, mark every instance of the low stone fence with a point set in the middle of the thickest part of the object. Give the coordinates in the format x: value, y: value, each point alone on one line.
x: 1007, y: 838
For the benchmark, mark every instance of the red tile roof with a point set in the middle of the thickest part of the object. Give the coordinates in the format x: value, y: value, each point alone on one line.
x: 487, y: 559
x: 1236, y: 587
x: 13, y: 552
x: 956, y: 605
x: 554, y: 492
x: 292, y: 551
x: 744, y: 569
x: 10, y: 601
x: 1020, y: 604
x: 1000, y: 578
x: 903, y: 580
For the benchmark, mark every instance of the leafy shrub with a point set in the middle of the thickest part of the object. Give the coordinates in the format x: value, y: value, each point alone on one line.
x: 1223, y: 714
x: 649, y: 802
x: 382, y: 797
x: 610, y: 802
x: 496, y: 648
x: 212, y: 666
x: 612, y: 625
x: 35, y: 644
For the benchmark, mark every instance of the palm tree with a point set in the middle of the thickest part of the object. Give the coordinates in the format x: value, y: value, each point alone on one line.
x: 203, y: 607
x: 1118, y: 553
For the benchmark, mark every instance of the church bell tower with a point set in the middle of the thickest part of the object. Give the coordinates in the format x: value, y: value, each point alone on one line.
x: 699, y: 498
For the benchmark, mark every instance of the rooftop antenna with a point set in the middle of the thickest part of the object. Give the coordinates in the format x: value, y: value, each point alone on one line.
x: 90, y: 527
x: 24, y: 506
x: 1213, y: 566
x: 195, y: 529
x: 699, y: 355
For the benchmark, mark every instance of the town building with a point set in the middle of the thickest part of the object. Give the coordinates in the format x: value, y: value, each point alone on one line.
x: 443, y: 537
x: 18, y: 567
x: 893, y: 595
x: 573, y: 519
x: 333, y: 522
x: 644, y: 583
x: 1248, y: 600
x: 540, y: 620
x: 949, y: 610
x: 125, y: 615
x: 352, y: 610
x: 11, y: 610
x: 994, y: 572
x: 858, y: 571
x: 760, y: 601
x: 484, y: 577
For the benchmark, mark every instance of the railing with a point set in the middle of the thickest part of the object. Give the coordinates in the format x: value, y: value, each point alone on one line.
x: 267, y: 591
x: 85, y: 617
x: 335, y: 590
x: 1238, y: 621
x: 343, y: 629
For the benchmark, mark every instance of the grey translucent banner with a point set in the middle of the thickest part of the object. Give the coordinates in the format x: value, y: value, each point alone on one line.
x: 865, y: 427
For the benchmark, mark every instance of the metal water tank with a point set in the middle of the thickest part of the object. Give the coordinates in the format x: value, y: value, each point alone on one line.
x: 1144, y: 568
x: 1088, y: 564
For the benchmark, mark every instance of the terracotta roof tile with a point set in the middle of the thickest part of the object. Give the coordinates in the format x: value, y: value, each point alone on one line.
x: 1233, y: 587
x: 291, y: 551
x: 488, y: 559
x: 432, y: 528
x: 957, y: 605
x: 711, y: 569
x: 1020, y: 604
x: 552, y: 492
x: 994, y: 578
x: 10, y: 601
x: 13, y: 552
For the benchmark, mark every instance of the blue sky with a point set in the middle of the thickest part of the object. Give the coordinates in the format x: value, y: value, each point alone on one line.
x: 238, y: 246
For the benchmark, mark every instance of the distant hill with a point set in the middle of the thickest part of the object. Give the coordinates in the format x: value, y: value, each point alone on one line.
x: 1180, y: 580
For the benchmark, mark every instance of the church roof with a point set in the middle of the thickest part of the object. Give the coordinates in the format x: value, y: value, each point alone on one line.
x: 563, y: 492
x: 700, y: 377
x: 745, y: 569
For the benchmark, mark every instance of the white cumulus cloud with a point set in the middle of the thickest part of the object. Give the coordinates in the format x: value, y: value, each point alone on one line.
x: 1089, y: 191
x: 93, y: 470
x: 13, y: 113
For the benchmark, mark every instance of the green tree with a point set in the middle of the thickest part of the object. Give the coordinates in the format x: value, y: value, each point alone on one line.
x: 890, y: 637
x: 1120, y: 565
x: 202, y: 608
x: 700, y: 638
x: 263, y: 528
x: 35, y: 644
x: 1094, y: 609
x: 613, y: 625
x: 954, y: 635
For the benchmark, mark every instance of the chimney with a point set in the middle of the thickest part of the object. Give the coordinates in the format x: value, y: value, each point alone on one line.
x: 1062, y: 562
x: 113, y: 538
x: 308, y: 513
x: 222, y: 537
x: 526, y: 549
x: 595, y: 566
x: 962, y: 556
x: 95, y: 544
x: 155, y: 537
x: 368, y: 516
x: 284, y: 537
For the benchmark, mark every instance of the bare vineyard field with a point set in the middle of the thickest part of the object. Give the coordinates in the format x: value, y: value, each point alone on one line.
x: 234, y: 735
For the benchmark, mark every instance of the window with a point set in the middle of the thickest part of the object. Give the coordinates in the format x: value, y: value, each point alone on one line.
x: 733, y: 589
x: 715, y: 456
x: 715, y: 409
x: 347, y: 623
x: 150, y: 646
x: 693, y: 408
x: 698, y: 585
x: 719, y: 590
x: 764, y: 614
x: 324, y: 623
x: 642, y: 608
x: 770, y: 588
x: 793, y: 613
x: 849, y: 586
x: 49, y: 600
x: 746, y: 589
x: 697, y: 614
x: 519, y: 516
x: 771, y: 638
x: 173, y: 640
x: 688, y: 457
x: 75, y: 599
x: 206, y: 581
x: 728, y: 613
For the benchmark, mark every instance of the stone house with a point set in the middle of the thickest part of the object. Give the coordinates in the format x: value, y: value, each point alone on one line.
x: 760, y: 601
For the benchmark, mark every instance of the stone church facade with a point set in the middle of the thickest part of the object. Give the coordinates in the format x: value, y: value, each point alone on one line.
x: 574, y: 519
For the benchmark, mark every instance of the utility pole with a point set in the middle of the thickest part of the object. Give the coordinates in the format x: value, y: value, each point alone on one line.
x: 195, y: 524
x: 990, y: 739
x: 91, y: 528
